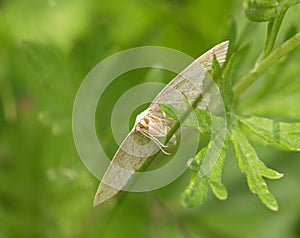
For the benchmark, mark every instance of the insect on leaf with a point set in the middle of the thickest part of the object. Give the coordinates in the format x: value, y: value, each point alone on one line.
x: 152, y: 125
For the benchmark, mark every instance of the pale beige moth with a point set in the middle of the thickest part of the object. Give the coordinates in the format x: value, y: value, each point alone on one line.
x: 153, y: 124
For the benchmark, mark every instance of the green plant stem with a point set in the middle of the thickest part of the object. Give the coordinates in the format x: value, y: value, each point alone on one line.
x: 273, y: 29
x: 266, y: 63
x: 275, y: 23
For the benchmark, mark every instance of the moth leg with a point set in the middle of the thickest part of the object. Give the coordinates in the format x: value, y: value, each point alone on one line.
x: 156, y: 141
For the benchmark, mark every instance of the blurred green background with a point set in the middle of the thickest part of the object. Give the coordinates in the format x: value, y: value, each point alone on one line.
x: 47, y: 47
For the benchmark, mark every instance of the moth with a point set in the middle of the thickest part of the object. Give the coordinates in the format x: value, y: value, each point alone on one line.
x: 152, y: 125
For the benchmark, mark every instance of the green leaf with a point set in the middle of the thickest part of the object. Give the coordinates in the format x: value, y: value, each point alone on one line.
x: 197, y: 190
x: 204, y: 121
x: 222, y: 78
x: 225, y: 83
x: 253, y: 168
x: 216, y: 69
x: 218, y: 189
x: 215, y: 175
x: 258, y: 186
x: 285, y: 134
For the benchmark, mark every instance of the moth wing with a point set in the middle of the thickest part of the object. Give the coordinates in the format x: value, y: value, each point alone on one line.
x: 189, y: 81
x: 131, y: 155
x: 136, y: 148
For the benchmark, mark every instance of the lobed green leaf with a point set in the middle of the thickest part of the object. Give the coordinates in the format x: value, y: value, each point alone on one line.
x: 218, y: 189
x: 283, y: 133
x: 197, y: 190
x: 253, y: 168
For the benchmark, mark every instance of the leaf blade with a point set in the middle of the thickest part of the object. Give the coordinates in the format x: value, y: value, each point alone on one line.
x: 283, y: 133
x: 254, y: 168
x: 197, y: 190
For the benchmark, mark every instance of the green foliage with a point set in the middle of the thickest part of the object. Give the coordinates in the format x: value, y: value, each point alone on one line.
x: 285, y: 134
x: 272, y: 11
x: 46, y: 50
x: 253, y: 168
x: 196, y: 192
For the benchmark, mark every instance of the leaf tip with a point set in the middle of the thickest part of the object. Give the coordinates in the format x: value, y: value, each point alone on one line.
x: 278, y: 175
x: 274, y: 208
